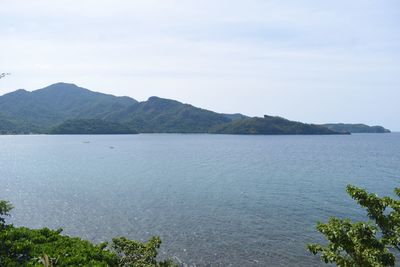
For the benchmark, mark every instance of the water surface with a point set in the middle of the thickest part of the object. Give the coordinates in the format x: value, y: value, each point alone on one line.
x: 215, y: 200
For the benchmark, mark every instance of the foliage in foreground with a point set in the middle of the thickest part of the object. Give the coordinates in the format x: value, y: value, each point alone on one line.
x: 3, y: 74
x: 363, y: 244
x: 21, y: 246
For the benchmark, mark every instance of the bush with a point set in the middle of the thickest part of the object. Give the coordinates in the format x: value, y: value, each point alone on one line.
x: 21, y: 246
x: 363, y: 243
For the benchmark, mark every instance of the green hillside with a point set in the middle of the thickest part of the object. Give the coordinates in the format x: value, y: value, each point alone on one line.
x: 64, y: 108
x: 158, y: 115
x: 91, y: 126
x: 270, y: 125
x: 44, y: 108
x: 355, y: 128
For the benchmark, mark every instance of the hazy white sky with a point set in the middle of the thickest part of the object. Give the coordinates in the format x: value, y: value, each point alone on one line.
x: 313, y: 61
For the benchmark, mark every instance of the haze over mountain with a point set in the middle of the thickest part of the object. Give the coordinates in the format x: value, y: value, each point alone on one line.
x: 64, y: 108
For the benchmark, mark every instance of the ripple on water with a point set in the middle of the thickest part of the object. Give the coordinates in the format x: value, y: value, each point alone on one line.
x: 214, y: 199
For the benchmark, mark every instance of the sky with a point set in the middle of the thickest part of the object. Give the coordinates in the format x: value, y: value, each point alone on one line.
x: 310, y: 61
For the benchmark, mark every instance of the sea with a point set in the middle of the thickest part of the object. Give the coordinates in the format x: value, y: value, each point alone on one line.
x: 215, y: 200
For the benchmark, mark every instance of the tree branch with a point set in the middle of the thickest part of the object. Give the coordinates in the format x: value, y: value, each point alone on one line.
x: 4, y: 74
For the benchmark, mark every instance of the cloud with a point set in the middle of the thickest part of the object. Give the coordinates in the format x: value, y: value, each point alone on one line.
x: 255, y: 57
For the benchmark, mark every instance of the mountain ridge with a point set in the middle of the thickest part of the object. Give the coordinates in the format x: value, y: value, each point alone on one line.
x: 45, y: 109
x: 272, y: 125
x: 355, y: 128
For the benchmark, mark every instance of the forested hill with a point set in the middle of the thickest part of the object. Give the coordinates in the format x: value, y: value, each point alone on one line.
x: 46, y: 110
x: 92, y: 126
x: 66, y: 108
x: 158, y: 115
x: 38, y: 111
x: 355, y: 128
x: 270, y: 125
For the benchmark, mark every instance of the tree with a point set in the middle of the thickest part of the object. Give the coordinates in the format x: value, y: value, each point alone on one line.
x: 21, y: 246
x: 5, y: 208
x: 135, y: 254
x: 363, y: 244
x: 3, y: 74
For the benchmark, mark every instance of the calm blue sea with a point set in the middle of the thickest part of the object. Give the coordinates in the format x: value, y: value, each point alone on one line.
x: 215, y: 200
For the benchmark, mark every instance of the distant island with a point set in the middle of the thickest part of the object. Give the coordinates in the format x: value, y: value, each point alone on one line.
x: 355, y: 128
x: 64, y: 108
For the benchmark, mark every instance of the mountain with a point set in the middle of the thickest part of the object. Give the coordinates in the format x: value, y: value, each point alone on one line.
x: 15, y: 126
x: 8, y: 127
x: 56, y: 103
x: 158, y: 115
x: 270, y: 125
x: 355, y: 128
x: 91, y: 126
x: 70, y: 109
x: 236, y: 116
x: 42, y: 110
